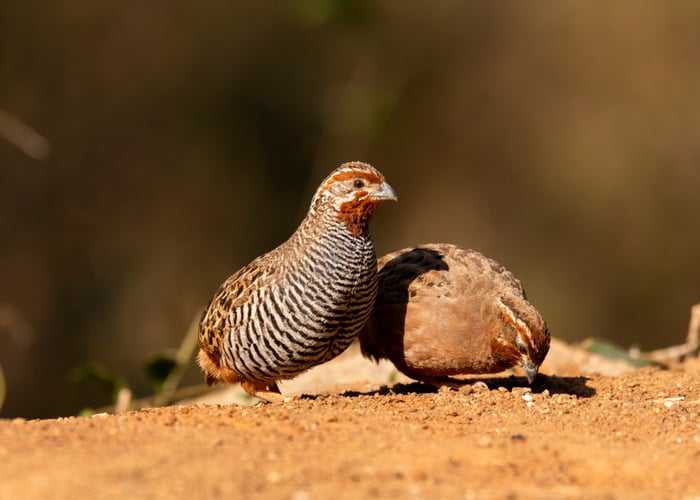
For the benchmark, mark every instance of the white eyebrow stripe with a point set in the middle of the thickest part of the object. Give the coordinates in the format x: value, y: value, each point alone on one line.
x: 524, y: 333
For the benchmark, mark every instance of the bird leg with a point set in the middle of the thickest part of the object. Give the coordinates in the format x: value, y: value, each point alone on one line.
x: 264, y: 391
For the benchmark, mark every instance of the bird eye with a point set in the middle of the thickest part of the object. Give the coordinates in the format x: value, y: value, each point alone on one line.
x: 359, y: 183
x: 521, y: 346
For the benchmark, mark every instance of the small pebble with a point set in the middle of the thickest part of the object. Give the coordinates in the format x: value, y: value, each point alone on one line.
x: 483, y: 441
x: 479, y: 386
x: 301, y: 495
x: 466, y: 389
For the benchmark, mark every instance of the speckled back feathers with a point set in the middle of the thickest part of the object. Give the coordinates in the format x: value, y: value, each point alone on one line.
x: 442, y: 310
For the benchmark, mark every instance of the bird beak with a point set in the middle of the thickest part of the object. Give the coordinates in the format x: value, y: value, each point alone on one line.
x: 530, y: 372
x: 384, y: 193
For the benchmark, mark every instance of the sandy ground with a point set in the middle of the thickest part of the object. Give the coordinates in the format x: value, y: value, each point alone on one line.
x: 634, y: 434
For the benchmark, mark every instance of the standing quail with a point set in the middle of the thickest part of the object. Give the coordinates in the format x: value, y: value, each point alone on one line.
x: 442, y: 310
x: 303, y: 303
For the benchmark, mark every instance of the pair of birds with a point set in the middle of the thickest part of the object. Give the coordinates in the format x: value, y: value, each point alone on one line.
x: 434, y: 310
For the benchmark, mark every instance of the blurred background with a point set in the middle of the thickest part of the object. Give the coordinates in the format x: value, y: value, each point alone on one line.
x: 150, y: 149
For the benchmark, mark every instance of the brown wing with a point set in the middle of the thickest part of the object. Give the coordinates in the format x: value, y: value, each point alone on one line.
x: 435, y: 308
x: 224, y: 310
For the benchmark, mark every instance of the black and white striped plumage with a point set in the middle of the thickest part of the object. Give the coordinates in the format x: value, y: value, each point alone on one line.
x: 304, y: 302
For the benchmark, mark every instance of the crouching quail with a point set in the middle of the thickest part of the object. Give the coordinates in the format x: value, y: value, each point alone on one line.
x: 443, y: 310
x: 304, y: 302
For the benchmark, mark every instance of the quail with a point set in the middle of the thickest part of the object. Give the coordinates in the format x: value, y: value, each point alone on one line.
x: 304, y: 302
x: 442, y: 310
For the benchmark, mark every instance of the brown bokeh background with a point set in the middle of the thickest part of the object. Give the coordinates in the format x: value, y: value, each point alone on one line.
x: 183, y: 139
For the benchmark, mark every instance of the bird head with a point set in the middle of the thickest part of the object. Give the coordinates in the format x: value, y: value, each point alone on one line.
x: 524, y: 342
x: 353, y: 192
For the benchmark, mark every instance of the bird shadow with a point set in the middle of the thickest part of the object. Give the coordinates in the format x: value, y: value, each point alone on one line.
x: 574, y: 386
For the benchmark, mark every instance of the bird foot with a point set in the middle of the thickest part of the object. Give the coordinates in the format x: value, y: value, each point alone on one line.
x: 268, y: 393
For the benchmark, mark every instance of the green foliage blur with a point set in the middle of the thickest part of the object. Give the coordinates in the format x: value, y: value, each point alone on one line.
x: 148, y: 150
